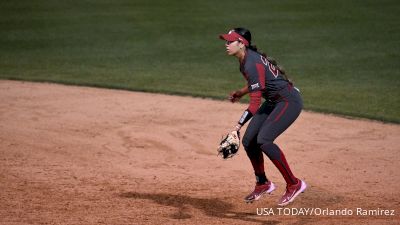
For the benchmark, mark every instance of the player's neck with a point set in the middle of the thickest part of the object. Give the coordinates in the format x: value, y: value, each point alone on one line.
x: 241, y: 55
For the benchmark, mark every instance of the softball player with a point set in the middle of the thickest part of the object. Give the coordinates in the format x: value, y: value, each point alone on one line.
x: 282, y: 105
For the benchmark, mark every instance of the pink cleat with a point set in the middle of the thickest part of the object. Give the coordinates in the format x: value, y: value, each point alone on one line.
x: 259, y: 190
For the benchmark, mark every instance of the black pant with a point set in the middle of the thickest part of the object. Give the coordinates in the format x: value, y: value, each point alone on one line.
x: 271, y: 120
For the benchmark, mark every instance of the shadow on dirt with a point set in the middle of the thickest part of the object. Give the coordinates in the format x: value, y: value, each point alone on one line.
x: 211, y: 207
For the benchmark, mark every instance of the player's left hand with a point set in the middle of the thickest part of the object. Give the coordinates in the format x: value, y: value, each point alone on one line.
x: 229, y: 145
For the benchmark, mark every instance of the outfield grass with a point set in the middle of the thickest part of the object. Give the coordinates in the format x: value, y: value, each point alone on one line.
x: 343, y: 55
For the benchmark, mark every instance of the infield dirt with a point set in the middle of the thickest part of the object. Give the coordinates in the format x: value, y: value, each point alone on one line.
x: 79, y: 155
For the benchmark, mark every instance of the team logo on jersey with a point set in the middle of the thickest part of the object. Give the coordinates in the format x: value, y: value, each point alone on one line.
x: 254, y: 86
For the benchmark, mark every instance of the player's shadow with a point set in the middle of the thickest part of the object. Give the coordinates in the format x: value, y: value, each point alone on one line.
x: 211, y: 207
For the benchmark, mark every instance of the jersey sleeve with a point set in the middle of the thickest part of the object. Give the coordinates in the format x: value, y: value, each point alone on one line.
x: 255, y: 74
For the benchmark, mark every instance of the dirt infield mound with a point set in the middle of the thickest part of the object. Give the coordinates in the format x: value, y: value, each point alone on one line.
x: 77, y: 155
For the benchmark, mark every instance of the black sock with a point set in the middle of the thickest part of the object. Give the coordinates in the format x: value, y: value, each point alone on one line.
x: 261, y: 178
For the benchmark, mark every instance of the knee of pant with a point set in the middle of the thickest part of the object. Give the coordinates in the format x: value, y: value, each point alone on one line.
x: 261, y: 140
x: 246, y: 143
x: 252, y: 149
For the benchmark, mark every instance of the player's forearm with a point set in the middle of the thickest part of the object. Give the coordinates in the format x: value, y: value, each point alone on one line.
x: 244, y: 90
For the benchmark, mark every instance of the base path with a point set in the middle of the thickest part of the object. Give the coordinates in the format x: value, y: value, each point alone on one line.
x: 79, y: 155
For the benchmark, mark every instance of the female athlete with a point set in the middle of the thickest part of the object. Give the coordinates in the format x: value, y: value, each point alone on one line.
x: 282, y: 105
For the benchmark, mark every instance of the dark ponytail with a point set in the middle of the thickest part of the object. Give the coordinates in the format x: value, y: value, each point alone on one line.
x: 247, y: 35
x: 270, y: 60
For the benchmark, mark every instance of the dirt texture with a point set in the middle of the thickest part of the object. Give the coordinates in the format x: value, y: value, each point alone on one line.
x: 79, y: 155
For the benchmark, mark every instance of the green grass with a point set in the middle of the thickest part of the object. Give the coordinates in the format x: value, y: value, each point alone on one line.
x: 343, y: 55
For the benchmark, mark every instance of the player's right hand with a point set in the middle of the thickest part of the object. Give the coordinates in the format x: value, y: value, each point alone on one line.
x: 235, y: 96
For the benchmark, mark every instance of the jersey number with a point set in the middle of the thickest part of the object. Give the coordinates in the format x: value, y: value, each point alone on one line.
x: 271, y: 67
x: 273, y: 70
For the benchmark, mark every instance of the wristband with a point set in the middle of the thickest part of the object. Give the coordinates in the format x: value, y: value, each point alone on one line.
x: 246, y: 116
